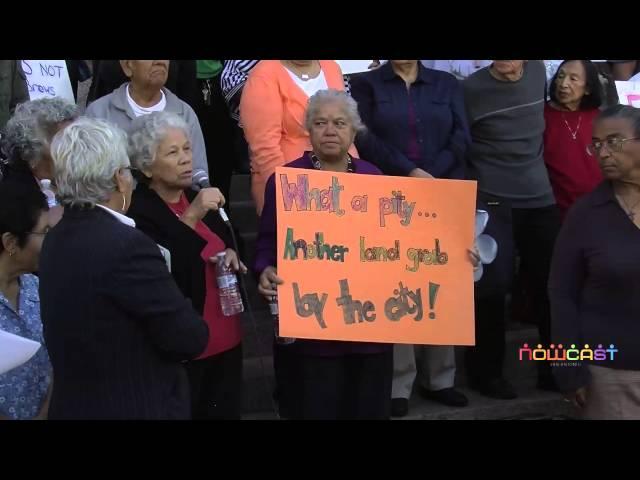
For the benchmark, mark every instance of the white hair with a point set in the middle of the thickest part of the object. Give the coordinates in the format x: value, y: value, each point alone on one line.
x: 86, y: 156
x: 147, y: 132
x: 330, y: 95
x: 29, y: 131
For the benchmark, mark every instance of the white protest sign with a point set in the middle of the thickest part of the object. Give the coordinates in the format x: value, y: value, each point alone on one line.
x: 47, y: 79
x: 15, y: 350
x: 629, y: 93
x: 354, y: 66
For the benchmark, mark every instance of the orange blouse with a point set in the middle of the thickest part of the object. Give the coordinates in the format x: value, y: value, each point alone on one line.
x: 272, y: 111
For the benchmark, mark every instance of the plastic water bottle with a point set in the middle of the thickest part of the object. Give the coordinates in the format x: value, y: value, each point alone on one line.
x: 230, y: 298
x: 45, y: 186
x: 273, y: 308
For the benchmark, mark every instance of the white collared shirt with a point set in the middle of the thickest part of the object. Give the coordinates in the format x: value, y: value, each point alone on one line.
x: 121, y: 218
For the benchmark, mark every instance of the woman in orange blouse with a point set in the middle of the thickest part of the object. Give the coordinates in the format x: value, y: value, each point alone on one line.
x: 272, y: 109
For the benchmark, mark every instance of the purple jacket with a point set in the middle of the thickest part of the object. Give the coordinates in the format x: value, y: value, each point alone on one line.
x: 266, y: 254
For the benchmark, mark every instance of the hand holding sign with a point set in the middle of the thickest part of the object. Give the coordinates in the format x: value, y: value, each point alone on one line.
x: 268, y: 281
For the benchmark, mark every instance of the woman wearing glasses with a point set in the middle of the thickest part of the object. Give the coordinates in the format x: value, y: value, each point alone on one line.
x: 24, y: 391
x: 575, y: 98
x: 594, y: 286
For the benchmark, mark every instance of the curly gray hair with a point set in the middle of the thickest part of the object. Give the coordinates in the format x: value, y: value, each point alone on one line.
x: 86, y: 156
x: 147, y: 132
x: 323, y: 97
x: 29, y: 131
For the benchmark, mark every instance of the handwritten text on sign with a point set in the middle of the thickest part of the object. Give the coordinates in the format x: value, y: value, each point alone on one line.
x: 47, y: 79
x: 375, y: 258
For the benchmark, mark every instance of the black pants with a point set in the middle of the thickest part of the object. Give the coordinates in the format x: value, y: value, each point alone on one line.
x: 219, y: 131
x: 286, y: 370
x: 531, y: 232
x: 216, y: 386
x: 349, y: 387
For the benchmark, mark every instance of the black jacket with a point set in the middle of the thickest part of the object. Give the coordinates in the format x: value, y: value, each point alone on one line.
x: 115, y: 324
x: 155, y: 218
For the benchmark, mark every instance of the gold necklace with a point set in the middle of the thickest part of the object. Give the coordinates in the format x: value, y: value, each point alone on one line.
x: 574, y: 135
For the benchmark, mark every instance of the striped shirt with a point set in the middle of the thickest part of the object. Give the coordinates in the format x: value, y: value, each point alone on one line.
x: 233, y: 77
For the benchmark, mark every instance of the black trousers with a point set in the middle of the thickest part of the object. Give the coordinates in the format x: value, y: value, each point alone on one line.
x: 349, y: 387
x: 219, y: 131
x: 531, y: 233
x: 286, y: 370
x: 216, y: 386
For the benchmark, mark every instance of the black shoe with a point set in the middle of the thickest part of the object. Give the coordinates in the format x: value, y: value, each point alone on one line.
x: 399, y: 407
x: 498, y: 388
x: 446, y: 396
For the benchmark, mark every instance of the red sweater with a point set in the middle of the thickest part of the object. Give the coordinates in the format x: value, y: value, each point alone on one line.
x: 225, y: 332
x: 572, y: 171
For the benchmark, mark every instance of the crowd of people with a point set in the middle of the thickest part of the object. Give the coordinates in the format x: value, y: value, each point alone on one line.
x: 114, y: 273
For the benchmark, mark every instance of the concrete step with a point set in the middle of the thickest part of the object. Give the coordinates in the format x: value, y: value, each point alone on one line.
x: 249, y: 242
x: 531, y: 404
x: 243, y: 216
x: 240, y: 187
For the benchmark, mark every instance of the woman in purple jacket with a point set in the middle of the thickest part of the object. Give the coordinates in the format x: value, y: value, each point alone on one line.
x: 320, y: 379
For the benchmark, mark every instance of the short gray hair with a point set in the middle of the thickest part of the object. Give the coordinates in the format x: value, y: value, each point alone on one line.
x: 632, y: 114
x: 147, y: 132
x: 30, y: 130
x: 323, y: 97
x: 86, y: 156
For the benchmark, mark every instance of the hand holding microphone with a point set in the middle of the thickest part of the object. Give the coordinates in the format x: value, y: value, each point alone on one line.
x: 207, y: 199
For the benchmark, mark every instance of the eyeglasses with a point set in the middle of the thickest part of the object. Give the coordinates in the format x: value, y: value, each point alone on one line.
x: 613, y: 144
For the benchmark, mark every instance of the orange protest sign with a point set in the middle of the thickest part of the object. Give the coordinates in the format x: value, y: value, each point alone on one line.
x: 375, y: 258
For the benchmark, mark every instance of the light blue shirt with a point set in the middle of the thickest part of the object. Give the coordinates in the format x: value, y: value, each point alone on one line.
x: 23, y: 389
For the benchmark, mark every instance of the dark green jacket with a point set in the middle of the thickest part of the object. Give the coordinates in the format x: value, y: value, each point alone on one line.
x: 13, y: 88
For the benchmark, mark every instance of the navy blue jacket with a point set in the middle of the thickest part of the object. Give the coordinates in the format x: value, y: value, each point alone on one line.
x: 441, y: 123
x: 115, y: 324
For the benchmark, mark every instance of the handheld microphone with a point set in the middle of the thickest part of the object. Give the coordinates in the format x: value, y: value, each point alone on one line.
x: 201, y: 179
x: 224, y: 216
